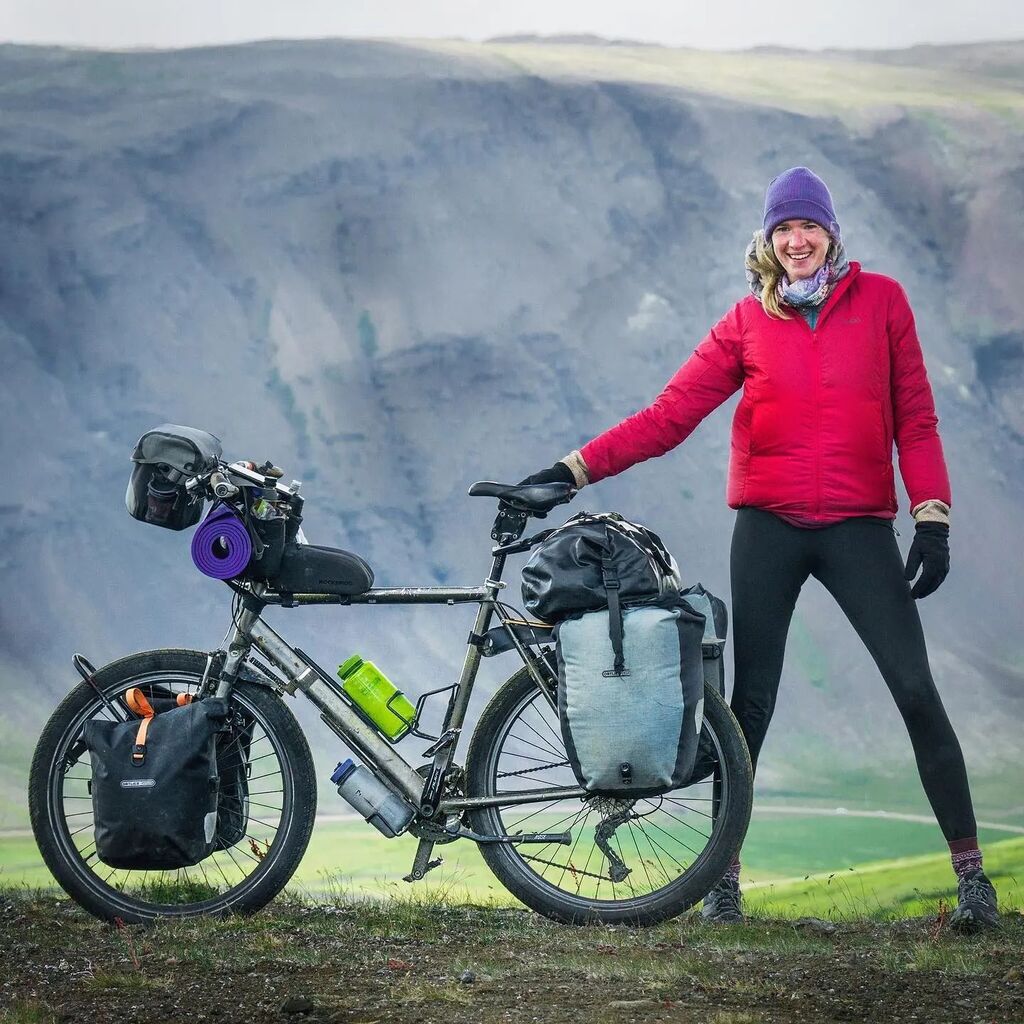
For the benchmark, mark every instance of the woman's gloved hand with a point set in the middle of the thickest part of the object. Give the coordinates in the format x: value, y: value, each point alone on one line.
x: 559, y: 473
x: 510, y: 520
x: 930, y: 553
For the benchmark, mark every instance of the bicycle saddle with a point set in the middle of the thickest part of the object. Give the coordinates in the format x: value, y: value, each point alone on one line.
x: 527, y: 497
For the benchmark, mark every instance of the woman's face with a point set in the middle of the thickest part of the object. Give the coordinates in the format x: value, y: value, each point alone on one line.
x: 801, y: 247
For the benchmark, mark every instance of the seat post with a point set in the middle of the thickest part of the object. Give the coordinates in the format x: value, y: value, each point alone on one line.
x: 497, y: 567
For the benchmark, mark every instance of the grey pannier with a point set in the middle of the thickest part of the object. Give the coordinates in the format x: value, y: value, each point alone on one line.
x: 632, y: 733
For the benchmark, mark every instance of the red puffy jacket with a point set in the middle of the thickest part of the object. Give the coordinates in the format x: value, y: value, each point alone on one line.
x: 813, y: 434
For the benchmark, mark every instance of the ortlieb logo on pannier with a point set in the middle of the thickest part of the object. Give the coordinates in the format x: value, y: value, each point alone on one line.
x: 628, y: 646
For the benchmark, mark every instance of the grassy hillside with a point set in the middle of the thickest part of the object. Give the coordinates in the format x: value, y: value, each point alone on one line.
x: 801, y: 82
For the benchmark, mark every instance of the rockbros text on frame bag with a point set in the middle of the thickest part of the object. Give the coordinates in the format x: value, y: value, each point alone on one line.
x: 155, y: 784
x: 632, y: 733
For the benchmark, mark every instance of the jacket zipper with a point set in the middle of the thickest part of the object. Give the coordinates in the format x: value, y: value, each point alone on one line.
x: 817, y: 422
x: 817, y: 414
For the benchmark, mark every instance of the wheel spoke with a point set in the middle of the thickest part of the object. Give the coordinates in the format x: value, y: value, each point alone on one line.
x: 658, y: 840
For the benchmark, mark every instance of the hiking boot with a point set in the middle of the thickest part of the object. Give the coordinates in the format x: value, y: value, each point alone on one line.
x: 723, y: 905
x: 976, y: 903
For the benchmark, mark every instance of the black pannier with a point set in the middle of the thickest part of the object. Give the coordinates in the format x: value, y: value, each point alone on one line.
x: 155, y: 784
x: 598, y: 560
x: 165, y: 458
x: 233, y: 772
x: 233, y: 744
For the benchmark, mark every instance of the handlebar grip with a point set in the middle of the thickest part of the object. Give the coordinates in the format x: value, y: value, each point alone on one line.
x: 221, y: 487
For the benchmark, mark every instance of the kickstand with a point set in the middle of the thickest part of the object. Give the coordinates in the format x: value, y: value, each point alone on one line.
x: 422, y: 863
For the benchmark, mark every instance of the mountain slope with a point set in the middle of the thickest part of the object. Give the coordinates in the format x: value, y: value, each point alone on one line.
x: 396, y: 268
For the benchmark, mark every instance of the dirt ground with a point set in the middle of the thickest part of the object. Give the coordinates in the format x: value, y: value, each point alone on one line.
x: 411, y: 963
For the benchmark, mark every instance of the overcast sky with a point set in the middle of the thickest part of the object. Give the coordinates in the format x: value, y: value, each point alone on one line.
x: 718, y: 24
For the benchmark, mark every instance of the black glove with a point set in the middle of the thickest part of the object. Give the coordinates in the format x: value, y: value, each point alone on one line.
x: 510, y: 520
x: 930, y: 549
x: 559, y: 473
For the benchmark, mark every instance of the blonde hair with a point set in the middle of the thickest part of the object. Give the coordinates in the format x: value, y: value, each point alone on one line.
x: 765, y: 266
x: 763, y: 263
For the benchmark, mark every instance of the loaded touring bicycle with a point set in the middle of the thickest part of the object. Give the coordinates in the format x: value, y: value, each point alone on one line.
x: 170, y: 741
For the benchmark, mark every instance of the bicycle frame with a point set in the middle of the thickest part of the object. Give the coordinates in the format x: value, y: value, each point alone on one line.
x: 301, y: 673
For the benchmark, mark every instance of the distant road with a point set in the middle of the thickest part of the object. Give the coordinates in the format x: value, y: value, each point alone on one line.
x: 843, y: 812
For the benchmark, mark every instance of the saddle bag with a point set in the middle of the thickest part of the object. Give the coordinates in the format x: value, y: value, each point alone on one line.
x: 634, y: 732
x: 155, y: 783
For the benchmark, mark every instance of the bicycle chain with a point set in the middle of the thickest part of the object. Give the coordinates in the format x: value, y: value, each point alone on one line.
x: 526, y: 771
x: 572, y: 871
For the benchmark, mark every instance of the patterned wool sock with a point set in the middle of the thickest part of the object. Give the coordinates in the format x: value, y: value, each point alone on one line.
x: 733, y: 871
x: 965, y: 854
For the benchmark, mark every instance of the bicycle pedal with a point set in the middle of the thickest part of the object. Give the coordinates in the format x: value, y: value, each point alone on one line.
x: 417, y: 874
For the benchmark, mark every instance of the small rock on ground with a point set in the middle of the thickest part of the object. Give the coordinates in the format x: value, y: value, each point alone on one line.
x: 297, y: 1004
x: 815, y: 925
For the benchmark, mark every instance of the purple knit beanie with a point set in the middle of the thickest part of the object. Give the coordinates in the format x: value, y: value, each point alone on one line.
x: 799, y: 193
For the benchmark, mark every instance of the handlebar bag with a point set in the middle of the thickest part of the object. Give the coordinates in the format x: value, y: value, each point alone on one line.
x: 155, y: 784
x: 187, y: 450
x: 632, y: 733
x: 165, y: 458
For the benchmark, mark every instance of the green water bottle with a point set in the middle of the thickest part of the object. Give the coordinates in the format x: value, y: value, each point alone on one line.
x: 377, y: 697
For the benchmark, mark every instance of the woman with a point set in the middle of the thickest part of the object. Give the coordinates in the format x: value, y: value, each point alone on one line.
x: 832, y: 374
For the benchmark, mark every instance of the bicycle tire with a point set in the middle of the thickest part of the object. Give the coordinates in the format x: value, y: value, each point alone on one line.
x: 56, y: 839
x: 511, y: 864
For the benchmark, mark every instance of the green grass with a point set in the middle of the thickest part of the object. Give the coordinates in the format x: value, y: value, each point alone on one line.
x: 840, y: 857
x: 799, y: 82
x: 907, y: 886
x: 27, y: 1012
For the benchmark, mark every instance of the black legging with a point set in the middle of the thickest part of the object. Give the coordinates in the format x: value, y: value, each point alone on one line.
x: 859, y: 563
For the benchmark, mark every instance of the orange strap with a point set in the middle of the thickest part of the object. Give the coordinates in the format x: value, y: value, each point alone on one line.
x: 136, y: 700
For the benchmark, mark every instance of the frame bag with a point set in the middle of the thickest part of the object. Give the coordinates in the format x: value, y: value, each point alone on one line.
x: 155, y: 784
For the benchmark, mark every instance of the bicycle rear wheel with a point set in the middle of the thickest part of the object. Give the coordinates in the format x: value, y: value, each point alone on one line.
x: 249, y: 868
x: 637, y: 861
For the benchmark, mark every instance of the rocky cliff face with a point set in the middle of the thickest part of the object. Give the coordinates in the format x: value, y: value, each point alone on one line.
x: 396, y: 269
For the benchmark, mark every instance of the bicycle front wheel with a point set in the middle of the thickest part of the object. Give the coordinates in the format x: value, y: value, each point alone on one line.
x: 273, y: 819
x: 630, y: 861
